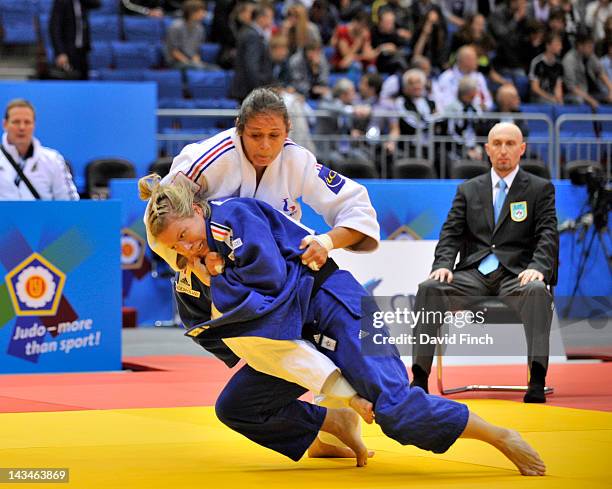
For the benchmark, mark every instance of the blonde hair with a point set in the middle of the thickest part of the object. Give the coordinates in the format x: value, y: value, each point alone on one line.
x: 168, y: 202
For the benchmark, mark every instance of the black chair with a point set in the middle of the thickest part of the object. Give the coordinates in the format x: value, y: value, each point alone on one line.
x: 535, y: 167
x: 161, y: 166
x: 414, y: 168
x: 576, y: 170
x: 356, y: 169
x: 99, y: 172
x: 466, y: 169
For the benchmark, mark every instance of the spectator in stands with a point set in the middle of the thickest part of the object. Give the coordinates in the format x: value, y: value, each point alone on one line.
x: 372, y: 124
x: 70, y: 37
x: 508, y: 25
x: 388, y: 44
x: 343, y: 120
x: 253, y: 67
x: 508, y: 101
x: 597, y: 13
x: 572, y: 17
x: 445, y: 90
x: 539, y: 10
x: 241, y: 16
x: 474, y: 32
x: 466, y: 131
x: 546, y: 73
x: 325, y: 16
x: 403, y: 16
x: 584, y: 77
x: 353, y: 45
x: 413, y: 101
x: 279, y: 54
x: 430, y: 39
x: 556, y: 24
x: 185, y: 36
x: 347, y: 9
x: 456, y: 11
x: 601, y: 46
x: 28, y: 170
x: 533, y: 45
x: 298, y: 30
x: 309, y: 72
x: 150, y: 8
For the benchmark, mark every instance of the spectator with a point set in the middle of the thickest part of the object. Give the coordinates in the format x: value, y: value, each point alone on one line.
x: 185, y: 36
x: 557, y: 25
x: 150, y: 8
x: 253, y: 66
x: 325, y: 16
x: 430, y: 39
x: 533, y: 45
x: 465, y: 132
x: 601, y: 46
x: 474, y: 32
x: 597, y: 12
x: 456, y: 11
x: 583, y: 73
x: 445, y: 90
x: 509, y: 28
x: 353, y: 44
x: 309, y: 72
x: 539, y: 10
x: 69, y: 32
x: 606, y: 60
x: 241, y: 15
x: 572, y: 18
x: 413, y: 101
x: 372, y: 124
x: 403, y: 16
x: 298, y: 29
x: 43, y: 169
x: 509, y: 102
x: 279, y: 54
x: 388, y: 44
x: 546, y: 73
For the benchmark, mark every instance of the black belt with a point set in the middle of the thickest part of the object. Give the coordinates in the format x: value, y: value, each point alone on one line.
x: 322, y: 275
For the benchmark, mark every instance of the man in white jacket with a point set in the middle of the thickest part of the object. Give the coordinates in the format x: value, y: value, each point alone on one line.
x: 44, y: 167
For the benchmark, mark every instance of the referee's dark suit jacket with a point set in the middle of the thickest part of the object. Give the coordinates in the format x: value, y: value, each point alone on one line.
x: 471, y: 231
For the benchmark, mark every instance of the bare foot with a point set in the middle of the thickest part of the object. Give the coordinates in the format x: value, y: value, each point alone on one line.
x: 521, y: 454
x: 341, y: 423
x: 364, y: 408
x: 320, y: 449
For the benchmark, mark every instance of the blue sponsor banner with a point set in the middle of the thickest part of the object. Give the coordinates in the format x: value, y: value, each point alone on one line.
x: 60, y: 296
x: 150, y: 295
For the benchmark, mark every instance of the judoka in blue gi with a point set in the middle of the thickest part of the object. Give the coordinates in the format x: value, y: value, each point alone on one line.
x: 264, y: 291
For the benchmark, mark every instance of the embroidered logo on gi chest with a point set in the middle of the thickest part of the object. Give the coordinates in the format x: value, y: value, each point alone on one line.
x: 333, y: 180
x: 518, y: 211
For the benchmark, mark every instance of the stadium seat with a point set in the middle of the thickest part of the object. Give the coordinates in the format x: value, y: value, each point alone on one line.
x: 176, y: 103
x: 575, y: 128
x: 106, y: 7
x: 99, y: 172
x: 464, y: 169
x: 44, y: 7
x: 606, y: 126
x: 209, y: 52
x: 161, y: 166
x: 207, y: 84
x: 578, y: 138
x: 357, y: 169
x: 121, y: 75
x: 19, y: 19
x: 539, y: 128
x: 135, y: 55
x: 169, y: 82
x: 143, y: 29
x: 414, y: 168
x: 104, y: 28
x: 100, y: 56
x: 536, y: 167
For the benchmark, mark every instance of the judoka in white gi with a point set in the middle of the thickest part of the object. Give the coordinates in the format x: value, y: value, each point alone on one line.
x: 265, y: 291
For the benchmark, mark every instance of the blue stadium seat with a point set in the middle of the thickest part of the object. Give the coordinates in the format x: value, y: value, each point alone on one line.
x: 575, y: 128
x: 169, y: 82
x: 539, y: 128
x: 107, y: 7
x: 104, y: 28
x: 176, y: 103
x: 19, y: 21
x: 135, y: 55
x: 209, y: 52
x: 606, y: 126
x: 207, y: 84
x: 100, y: 56
x: 577, y: 134
x: 143, y: 29
x: 522, y: 87
x: 44, y: 7
x: 121, y: 75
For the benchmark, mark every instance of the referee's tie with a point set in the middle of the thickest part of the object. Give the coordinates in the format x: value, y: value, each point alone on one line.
x: 490, y: 262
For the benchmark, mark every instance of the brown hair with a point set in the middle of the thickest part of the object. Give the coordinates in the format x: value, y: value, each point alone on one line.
x: 18, y: 102
x: 261, y: 101
x: 190, y: 7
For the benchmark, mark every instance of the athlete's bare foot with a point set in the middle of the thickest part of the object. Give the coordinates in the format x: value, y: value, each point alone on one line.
x: 521, y: 454
x: 341, y: 424
x: 364, y: 408
x: 320, y: 449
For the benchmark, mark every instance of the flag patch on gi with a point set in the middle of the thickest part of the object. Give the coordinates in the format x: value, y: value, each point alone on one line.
x: 333, y: 180
x: 220, y: 232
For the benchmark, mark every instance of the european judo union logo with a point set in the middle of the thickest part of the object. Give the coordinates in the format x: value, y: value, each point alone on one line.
x: 35, y: 287
x: 332, y: 179
x: 132, y: 250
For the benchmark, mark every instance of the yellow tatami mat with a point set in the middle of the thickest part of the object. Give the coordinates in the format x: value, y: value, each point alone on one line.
x: 188, y: 448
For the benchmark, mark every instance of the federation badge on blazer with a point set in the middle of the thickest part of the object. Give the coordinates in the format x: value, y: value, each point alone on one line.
x: 518, y: 211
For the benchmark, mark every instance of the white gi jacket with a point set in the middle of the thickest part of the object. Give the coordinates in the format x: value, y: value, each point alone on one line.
x: 46, y: 169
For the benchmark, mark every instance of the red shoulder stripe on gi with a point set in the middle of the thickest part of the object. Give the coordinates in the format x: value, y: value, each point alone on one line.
x: 220, y: 232
x: 203, y: 161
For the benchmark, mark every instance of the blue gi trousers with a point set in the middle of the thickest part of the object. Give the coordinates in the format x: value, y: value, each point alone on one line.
x: 265, y: 409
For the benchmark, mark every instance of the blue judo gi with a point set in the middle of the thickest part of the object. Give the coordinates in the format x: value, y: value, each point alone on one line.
x: 266, y: 291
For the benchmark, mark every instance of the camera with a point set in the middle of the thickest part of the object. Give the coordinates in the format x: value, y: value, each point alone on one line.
x: 598, y: 188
